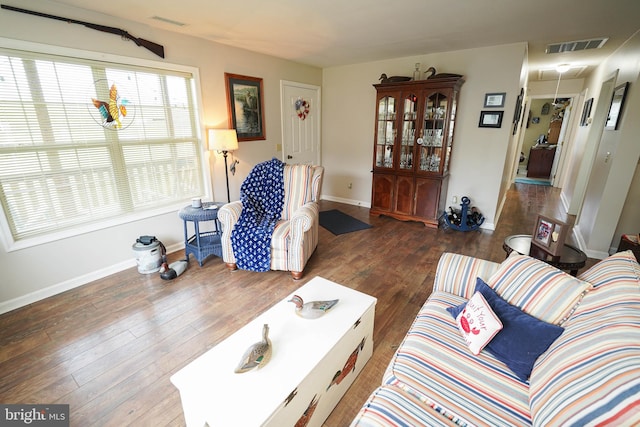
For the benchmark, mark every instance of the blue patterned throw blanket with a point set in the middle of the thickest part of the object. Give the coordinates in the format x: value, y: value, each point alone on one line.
x: 262, y: 197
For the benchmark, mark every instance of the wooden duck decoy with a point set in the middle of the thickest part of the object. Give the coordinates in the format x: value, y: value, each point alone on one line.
x: 257, y: 355
x: 435, y: 75
x: 393, y: 79
x: 313, y: 309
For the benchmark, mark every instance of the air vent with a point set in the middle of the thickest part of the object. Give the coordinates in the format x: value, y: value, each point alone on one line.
x: 577, y: 45
x: 168, y: 21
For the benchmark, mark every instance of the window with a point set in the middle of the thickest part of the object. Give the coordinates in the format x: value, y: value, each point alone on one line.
x: 84, y: 141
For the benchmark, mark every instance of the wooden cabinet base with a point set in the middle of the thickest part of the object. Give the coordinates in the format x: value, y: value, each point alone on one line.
x: 409, y: 198
x: 427, y: 222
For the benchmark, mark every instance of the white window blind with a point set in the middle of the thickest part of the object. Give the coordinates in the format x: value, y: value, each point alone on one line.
x: 82, y: 141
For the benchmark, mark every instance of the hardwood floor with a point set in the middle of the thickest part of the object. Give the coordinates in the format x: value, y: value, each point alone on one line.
x: 108, y: 348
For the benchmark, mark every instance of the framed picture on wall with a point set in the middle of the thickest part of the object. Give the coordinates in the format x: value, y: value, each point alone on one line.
x: 518, y: 111
x: 245, y: 106
x: 549, y: 235
x: 586, y: 112
x: 490, y: 119
x: 494, y: 100
x: 617, y: 103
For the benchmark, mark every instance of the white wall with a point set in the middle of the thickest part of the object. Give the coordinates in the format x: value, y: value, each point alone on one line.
x: 512, y: 154
x: 604, y: 195
x: 34, y: 273
x: 630, y: 218
x: 612, y: 195
x: 576, y: 154
x: 479, y: 154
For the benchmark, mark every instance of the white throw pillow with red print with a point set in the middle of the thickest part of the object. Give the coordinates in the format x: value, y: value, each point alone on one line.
x: 478, y: 323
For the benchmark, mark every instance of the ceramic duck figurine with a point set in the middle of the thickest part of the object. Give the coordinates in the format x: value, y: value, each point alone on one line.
x: 313, y: 309
x: 257, y: 355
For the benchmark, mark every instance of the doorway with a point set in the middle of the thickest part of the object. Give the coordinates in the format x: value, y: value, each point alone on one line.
x: 300, y: 112
x: 543, y: 139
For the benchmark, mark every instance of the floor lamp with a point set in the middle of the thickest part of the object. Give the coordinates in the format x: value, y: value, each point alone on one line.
x: 223, y: 141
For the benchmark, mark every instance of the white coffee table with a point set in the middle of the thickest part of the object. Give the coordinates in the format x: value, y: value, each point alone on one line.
x: 313, y: 364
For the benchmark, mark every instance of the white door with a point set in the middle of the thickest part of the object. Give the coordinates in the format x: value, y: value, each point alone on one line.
x: 561, y: 140
x: 300, y: 104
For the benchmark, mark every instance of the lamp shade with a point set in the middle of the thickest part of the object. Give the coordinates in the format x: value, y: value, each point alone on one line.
x: 223, y: 139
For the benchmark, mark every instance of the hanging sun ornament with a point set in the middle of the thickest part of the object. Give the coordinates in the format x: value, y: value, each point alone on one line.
x: 302, y: 108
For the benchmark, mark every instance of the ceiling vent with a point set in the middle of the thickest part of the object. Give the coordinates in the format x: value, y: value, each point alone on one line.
x: 575, y: 46
x: 168, y: 21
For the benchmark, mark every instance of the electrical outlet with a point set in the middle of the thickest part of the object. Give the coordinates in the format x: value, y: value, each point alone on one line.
x: 454, y: 199
x: 350, y: 186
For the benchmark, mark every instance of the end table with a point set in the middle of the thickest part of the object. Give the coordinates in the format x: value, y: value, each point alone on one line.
x: 571, y: 258
x: 202, y: 244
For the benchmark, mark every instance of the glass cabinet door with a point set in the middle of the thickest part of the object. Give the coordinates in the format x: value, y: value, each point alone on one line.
x: 409, y: 117
x: 386, y: 132
x: 433, y: 128
x: 450, y: 130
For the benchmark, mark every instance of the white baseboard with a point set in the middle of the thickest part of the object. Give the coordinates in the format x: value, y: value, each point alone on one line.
x: 75, y: 282
x: 488, y: 226
x: 564, y: 201
x: 582, y: 245
x: 353, y: 202
x: 596, y: 254
x: 485, y: 226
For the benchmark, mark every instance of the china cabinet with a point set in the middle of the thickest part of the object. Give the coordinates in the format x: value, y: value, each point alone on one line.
x: 413, y: 139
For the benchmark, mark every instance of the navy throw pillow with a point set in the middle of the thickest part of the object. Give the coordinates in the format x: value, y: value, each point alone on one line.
x: 523, y: 338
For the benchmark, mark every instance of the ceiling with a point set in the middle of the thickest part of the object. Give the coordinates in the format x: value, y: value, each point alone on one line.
x: 327, y: 33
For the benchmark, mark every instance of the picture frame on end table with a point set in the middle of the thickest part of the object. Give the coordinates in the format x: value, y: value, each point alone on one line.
x: 245, y: 106
x: 549, y: 235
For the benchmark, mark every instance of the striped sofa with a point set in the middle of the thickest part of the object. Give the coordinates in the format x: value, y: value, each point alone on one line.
x: 296, y: 235
x: 589, y: 375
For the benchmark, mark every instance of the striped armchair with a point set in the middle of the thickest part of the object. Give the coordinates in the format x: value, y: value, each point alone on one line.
x: 296, y: 235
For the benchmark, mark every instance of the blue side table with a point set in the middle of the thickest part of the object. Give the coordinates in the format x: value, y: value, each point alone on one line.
x: 206, y: 243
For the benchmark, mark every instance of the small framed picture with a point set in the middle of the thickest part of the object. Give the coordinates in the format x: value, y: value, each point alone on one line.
x: 549, y: 234
x: 518, y: 111
x: 490, y: 119
x: 494, y: 100
x: 586, y: 112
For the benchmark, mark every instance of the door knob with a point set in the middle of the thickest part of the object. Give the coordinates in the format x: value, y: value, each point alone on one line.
x: 289, y: 156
